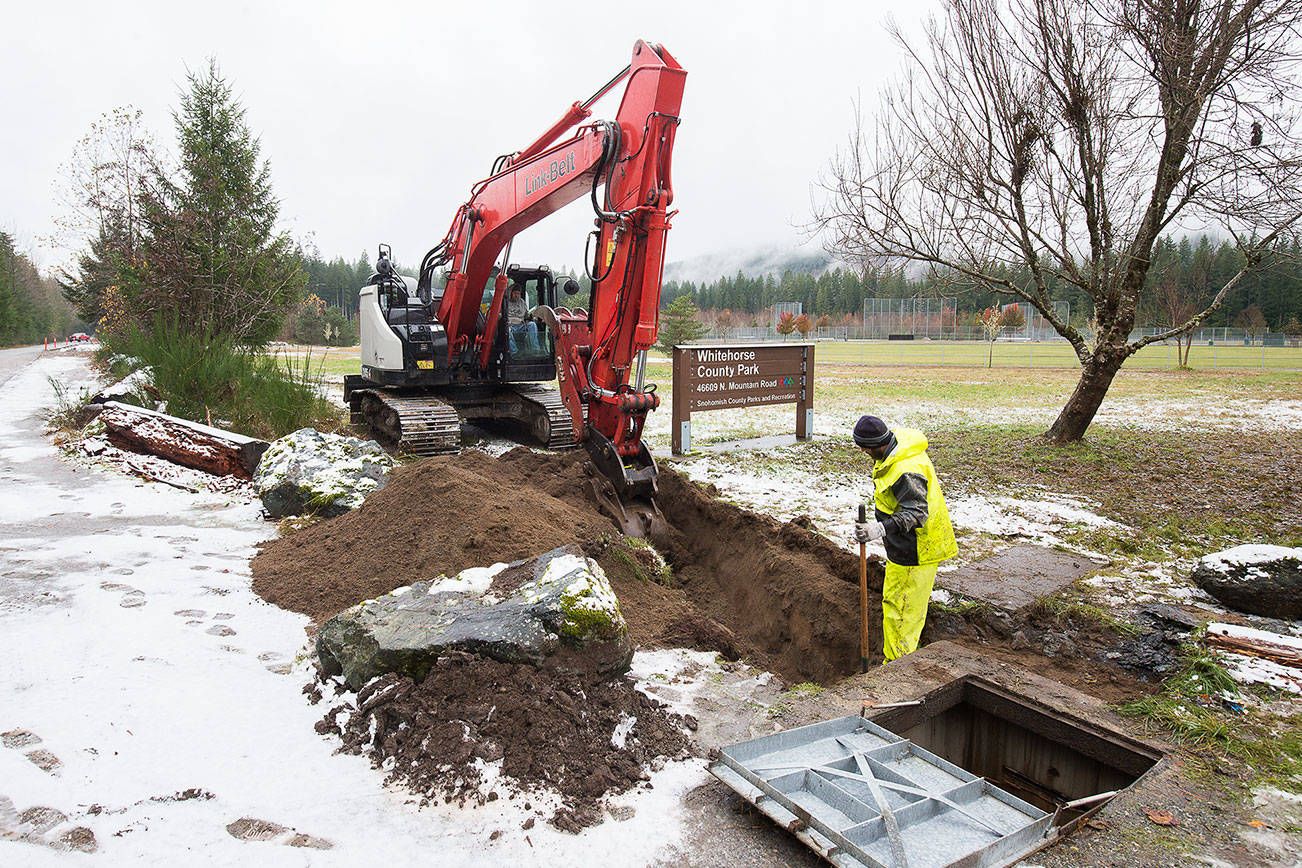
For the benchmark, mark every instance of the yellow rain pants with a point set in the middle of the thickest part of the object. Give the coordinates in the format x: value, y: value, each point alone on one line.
x: 906, y: 591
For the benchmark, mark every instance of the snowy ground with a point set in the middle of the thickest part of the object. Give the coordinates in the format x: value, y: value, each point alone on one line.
x: 151, y: 698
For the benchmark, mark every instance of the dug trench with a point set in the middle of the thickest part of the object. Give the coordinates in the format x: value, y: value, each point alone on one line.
x: 780, y: 595
x: 741, y: 584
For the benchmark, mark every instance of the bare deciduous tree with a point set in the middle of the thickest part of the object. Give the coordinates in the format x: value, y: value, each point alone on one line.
x: 99, y: 189
x: 1252, y: 321
x: 724, y: 322
x: 1064, y: 137
x: 991, y: 325
x: 1177, y: 309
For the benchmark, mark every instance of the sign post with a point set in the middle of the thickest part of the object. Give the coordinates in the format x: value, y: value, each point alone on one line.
x: 734, y: 376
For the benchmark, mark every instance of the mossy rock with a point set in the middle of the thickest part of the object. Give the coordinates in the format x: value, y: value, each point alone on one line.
x: 324, y: 474
x: 565, y: 615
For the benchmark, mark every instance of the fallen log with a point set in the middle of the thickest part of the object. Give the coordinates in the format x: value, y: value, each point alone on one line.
x: 1286, y: 650
x: 223, y: 453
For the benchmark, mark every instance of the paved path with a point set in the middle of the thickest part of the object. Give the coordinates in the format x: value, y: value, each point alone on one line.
x: 14, y: 359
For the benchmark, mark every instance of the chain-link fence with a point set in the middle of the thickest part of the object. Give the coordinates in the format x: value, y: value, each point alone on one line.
x: 918, y: 317
x: 923, y: 332
x: 1036, y: 327
x: 782, y: 308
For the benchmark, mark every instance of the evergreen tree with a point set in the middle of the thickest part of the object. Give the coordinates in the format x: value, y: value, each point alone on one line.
x: 215, y: 258
x: 679, y: 325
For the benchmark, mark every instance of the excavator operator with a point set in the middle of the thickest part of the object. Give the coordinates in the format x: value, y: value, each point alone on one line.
x: 520, y: 326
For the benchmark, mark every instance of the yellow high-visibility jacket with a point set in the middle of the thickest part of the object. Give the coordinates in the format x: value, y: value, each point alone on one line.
x: 910, y: 505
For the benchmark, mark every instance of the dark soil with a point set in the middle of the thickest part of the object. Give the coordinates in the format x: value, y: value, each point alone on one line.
x: 548, y: 728
x: 435, y: 517
x: 1087, y: 654
x: 788, y: 593
x: 744, y: 584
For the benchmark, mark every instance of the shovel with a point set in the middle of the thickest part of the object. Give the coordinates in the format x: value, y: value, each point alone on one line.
x: 863, y: 595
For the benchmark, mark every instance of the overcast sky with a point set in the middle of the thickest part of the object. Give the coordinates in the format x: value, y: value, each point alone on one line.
x: 378, y: 116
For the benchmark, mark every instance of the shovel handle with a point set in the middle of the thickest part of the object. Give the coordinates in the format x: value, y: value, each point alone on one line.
x: 863, y: 596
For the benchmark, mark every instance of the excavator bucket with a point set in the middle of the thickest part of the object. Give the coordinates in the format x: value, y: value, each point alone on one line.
x: 626, y: 488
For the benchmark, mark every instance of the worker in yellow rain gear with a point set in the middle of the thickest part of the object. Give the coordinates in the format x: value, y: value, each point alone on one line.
x: 911, y: 520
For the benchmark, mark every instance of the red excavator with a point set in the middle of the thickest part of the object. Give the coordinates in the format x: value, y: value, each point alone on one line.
x: 442, y: 350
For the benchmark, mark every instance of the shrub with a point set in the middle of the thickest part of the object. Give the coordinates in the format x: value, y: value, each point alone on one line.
x: 212, y: 379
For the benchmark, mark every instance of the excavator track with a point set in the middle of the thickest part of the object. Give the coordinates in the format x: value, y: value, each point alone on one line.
x: 552, y: 424
x: 416, y: 425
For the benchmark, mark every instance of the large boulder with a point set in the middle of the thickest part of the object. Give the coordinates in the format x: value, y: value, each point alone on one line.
x: 327, y: 474
x: 1257, y: 579
x: 556, y: 609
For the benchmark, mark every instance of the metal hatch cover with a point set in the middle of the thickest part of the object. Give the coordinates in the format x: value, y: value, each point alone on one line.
x: 861, y: 795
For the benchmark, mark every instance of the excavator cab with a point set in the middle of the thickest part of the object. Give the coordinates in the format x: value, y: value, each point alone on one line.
x: 527, y: 349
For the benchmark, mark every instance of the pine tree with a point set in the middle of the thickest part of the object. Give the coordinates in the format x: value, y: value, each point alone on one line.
x: 679, y: 325
x: 215, y: 258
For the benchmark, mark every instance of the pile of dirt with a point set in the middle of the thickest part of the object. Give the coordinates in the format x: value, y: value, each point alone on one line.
x: 435, y: 517
x: 742, y: 584
x: 574, y: 734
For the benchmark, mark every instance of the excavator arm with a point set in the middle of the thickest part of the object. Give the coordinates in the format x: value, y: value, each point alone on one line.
x: 624, y: 166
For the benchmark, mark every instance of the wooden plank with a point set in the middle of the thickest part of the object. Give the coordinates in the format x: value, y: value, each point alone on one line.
x: 213, y: 450
x: 1256, y: 643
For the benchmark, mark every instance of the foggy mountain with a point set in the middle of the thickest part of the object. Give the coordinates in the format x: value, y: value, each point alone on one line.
x: 752, y: 262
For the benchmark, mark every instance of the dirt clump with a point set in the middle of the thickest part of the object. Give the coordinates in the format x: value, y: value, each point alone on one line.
x: 570, y: 732
x: 1083, y: 652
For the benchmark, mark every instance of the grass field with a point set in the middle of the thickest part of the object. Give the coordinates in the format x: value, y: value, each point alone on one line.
x: 1008, y: 354
x: 337, y: 361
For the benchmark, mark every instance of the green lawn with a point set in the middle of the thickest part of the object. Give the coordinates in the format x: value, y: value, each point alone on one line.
x: 337, y: 361
x: 332, y: 362
x: 1008, y: 354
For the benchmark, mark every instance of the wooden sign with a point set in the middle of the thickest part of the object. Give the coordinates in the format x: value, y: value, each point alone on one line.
x: 735, y: 376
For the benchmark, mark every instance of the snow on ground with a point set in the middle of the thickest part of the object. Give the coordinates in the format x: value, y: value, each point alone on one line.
x: 678, y: 676
x: 1036, y: 520
x: 784, y: 491
x: 164, y: 697
x: 1248, y: 555
x: 1258, y: 670
x: 838, y: 407
x: 1142, y: 582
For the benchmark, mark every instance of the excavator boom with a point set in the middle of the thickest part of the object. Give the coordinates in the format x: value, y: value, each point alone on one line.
x: 624, y: 167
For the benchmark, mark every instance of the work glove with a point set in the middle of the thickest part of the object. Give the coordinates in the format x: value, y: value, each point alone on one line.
x: 867, y: 531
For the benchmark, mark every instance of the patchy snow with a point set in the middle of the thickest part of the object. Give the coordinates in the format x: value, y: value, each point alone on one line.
x: 1142, y: 582
x: 1209, y: 411
x: 1257, y: 670
x: 1249, y: 669
x: 619, y: 737
x: 1037, y: 520
x: 678, y: 677
x: 1265, y: 637
x: 832, y: 502
x: 474, y: 581
x: 1248, y: 555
